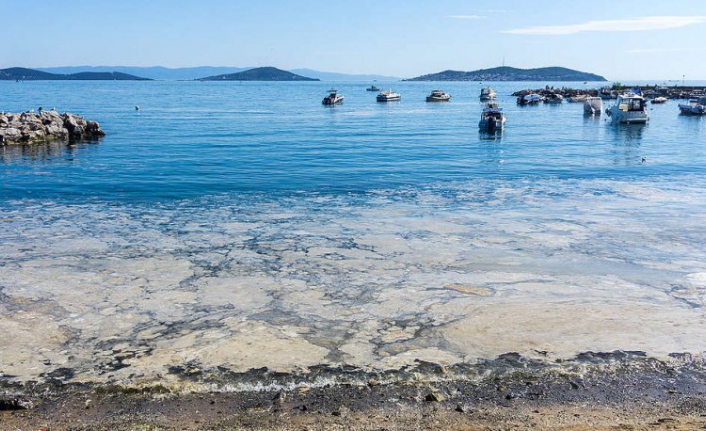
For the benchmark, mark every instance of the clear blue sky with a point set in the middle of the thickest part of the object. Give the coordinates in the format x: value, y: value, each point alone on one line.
x: 620, y: 39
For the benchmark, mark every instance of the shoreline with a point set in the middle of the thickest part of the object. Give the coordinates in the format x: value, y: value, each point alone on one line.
x: 617, y: 390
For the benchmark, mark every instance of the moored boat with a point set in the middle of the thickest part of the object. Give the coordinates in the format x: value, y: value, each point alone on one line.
x: 333, y: 98
x: 438, y: 96
x: 388, y: 96
x: 629, y: 108
x: 529, y: 99
x: 372, y: 88
x: 577, y: 98
x: 694, y: 107
x: 553, y: 98
x: 487, y: 93
x: 492, y: 118
x: 593, y: 105
x: 660, y: 99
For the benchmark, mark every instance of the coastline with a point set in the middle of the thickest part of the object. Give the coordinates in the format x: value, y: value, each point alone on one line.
x: 151, y: 308
x: 610, y: 391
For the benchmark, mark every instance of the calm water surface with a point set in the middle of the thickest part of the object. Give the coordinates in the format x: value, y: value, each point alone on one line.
x: 192, y: 139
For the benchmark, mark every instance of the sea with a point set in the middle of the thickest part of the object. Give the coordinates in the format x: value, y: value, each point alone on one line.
x: 243, y: 225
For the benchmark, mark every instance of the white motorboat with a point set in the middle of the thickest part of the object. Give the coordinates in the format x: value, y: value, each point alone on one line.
x: 660, y: 99
x: 577, y: 98
x: 388, y: 96
x: 529, y: 99
x: 492, y: 118
x: 333, y: 97
x: 438, y: 96
x: 554, y: 98
x: 629, y: 108
x: 487, y: 93
x: 694, y: 107
x: 593, y: 105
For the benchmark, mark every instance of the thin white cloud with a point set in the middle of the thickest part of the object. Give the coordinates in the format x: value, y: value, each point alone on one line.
x: 633, y: 24
x: 656, y: 50
x: 468, y: 17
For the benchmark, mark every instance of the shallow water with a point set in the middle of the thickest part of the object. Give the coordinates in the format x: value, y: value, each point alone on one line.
x: 244, y: 225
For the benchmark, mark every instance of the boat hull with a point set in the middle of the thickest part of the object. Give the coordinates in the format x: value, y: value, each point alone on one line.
x: 491, y: 125
x: 382, y: 98
x: 621, y: 117
x: 438, y: 99
x: 692, y: 109
x: 330, y: 101
x: 593, y: 106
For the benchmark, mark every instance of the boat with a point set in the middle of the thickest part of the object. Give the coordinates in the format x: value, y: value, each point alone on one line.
x: 333, y: 98
x: 529, y: 99
x: 577, y: 98
x: 593, y: 105
x: 554, y: 98
x: 492, y: 118
x: 388, y: 96
x: 438, y: 96
x: 487, y: 93
x: 694, y: 107
x: 372, y: 88
x: 629, y: 108
x: 660, y: 99
x: 607, y: 94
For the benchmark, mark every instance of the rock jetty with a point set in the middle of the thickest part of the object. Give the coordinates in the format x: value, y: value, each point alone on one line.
x: 28, y: 128
x: 649, y: 91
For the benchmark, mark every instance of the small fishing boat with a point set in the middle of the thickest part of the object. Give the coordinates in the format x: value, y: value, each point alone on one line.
x: 554, y: 98
x: 529, y: 99
x: 372, y: 88
x: 487, y: 93
x: 660, y: 99
x: 438, y: 96
x: 694, y: 107
x: 593, y: 105
x: 492, y: 118
x: 629, y: 108
x: 388, y: 96
x: 333, y: 98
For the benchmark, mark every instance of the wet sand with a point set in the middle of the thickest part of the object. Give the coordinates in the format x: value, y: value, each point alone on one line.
x: 618, y: 391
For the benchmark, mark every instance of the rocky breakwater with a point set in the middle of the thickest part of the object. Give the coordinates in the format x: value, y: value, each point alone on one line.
x: 28, y: 128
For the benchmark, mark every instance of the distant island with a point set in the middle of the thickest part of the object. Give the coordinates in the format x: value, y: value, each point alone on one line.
x: 192, y: 73
x: 259, y: 74
x: 505, y: 73
x: 23, y: 74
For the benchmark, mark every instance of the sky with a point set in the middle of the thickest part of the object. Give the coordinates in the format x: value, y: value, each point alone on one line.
x: 618, y: 39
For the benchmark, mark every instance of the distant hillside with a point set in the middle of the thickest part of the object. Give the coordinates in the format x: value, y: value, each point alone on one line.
x: 23, y: 74
x: 154, y: 72
x: 191, y: 73
x: 259, y: 74
x: 512, y: 74
x: 333, y: 76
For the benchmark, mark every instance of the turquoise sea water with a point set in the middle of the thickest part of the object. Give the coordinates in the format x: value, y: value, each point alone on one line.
x: 241, y: 225
x: 193, y: 139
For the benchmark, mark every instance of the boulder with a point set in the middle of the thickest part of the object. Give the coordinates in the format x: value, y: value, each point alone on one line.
x: 28, y: 128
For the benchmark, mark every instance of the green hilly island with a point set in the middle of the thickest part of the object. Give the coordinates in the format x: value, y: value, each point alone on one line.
x: 506, y: 73
x: 24, y: 74
x: 259, y: 74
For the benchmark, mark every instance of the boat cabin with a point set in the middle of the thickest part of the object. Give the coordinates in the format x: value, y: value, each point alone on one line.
x: 631, y: 103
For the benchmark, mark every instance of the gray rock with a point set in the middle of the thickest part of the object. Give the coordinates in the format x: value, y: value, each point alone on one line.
x: 28, y: 128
